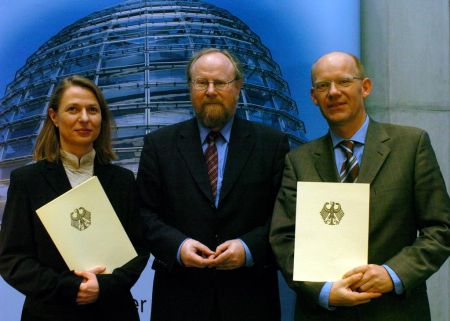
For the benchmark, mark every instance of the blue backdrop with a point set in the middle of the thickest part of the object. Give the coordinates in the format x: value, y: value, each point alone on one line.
x: 297, y: 32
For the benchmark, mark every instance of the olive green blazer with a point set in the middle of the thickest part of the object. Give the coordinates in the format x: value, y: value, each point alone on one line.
x: 408, y: 224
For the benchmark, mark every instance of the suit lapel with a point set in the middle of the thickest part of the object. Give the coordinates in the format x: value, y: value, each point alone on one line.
x: 375, y: 152
x: 189, y: 146
x: 242, y: 143
x: 56, y: 176
x: 103, y: 173
x: 324, y: 160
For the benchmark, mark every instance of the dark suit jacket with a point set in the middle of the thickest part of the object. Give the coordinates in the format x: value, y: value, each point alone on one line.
x: 407, y: 195
x: 178, y: 204
x: 30, y: 262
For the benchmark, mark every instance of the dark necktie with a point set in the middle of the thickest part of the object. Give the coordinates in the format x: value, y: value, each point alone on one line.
x: 350, y: 168
x: 212, y: 160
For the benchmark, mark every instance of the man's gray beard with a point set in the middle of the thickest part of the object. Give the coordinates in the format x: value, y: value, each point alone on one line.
x: 210, y: 122
x: 214, y: 122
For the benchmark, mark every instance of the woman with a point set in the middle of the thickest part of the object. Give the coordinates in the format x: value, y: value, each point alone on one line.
x: 73, y: 145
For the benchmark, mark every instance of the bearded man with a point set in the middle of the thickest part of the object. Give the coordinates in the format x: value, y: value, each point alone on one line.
x: 207, y: 188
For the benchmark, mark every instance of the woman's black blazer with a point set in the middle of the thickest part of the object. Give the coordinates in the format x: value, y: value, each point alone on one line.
x: 30, y: 262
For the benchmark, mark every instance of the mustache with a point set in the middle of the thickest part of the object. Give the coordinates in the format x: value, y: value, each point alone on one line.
x: 212, y: 102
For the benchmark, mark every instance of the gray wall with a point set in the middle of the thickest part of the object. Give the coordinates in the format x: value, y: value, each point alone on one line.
x: 405, y: 47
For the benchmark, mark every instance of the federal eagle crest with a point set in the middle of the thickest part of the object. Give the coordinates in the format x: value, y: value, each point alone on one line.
x: 332, y: 213
x: 80, y: 218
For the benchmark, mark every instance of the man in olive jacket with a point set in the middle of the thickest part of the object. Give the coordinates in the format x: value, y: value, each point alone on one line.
x: 407, y: 196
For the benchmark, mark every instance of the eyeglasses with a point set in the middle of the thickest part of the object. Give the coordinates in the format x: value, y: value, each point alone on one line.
x: 323, y: 86
x: 203, y: 84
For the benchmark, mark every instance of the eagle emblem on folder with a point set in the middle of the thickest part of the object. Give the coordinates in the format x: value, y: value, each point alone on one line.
x: 80, y: 218
x: 332, y: 213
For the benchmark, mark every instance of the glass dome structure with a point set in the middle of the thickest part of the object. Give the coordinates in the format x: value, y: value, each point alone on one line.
x: 137, y: 52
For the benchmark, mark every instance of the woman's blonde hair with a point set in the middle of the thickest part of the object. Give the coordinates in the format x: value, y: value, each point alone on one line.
x: 47, y: 143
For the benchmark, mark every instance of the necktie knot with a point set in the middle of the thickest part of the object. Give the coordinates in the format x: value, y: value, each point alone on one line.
x: 212, y: 136
x: 347, y: 146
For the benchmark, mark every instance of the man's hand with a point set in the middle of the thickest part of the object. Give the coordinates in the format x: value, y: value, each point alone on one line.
x: 195, y: 254
x: 375, y: 279
x: 89, y: 288
x: 229, y: 255
x: 341, y: 293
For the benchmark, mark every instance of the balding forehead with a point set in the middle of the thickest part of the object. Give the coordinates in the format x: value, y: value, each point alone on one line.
x: 212, y: 59
x: 334, y: 60
x: 211, y: 55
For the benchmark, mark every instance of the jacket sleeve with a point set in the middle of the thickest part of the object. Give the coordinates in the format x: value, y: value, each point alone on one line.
x: 122, y: 279
x: 19, y: 262
x: 282, y: 234
x: 431, y: 210
x: 257, y: 239
x: 163, y: 239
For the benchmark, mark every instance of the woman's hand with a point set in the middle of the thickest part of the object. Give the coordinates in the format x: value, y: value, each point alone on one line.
x: 89, y: 289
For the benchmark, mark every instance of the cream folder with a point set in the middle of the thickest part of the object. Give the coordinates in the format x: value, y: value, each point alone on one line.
x: 331, y: 230
x: 85, y: 228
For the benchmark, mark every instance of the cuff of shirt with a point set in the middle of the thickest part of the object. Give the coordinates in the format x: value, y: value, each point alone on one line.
x: 248, y: 256
x: 324, y: 296
x: 398, y: 285
x: 179, y: 251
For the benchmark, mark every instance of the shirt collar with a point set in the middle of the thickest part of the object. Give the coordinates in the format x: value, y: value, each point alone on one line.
x: 358, y: 137
x: 225, y: 131
x: 73, y: 162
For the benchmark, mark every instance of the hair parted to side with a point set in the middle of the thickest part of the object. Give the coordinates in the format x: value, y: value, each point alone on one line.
x: 47, y: 143
x: 238, y: 70
x: 359, y: 65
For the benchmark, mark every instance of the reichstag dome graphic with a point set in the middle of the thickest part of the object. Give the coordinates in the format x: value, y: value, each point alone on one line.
x: 137, y: 52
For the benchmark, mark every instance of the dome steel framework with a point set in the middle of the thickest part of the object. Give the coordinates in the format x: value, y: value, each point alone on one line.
x: 137, y: 52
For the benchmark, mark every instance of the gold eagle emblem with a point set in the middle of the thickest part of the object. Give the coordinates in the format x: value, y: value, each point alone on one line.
x: 80, y: 218
x: 332, y: 213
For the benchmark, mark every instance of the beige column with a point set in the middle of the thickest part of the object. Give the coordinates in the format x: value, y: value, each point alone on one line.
x: 405, y: 46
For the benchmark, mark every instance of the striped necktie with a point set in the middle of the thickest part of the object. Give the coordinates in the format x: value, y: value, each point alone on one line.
x: 212, y: 160
x: 350, y: 167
